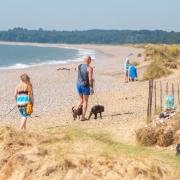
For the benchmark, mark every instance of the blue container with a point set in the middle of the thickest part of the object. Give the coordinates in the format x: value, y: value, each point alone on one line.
x: 169, y: 102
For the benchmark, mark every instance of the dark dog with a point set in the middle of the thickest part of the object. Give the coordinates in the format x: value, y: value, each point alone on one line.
x: 98, y: 109
x: 178, y: 149
x: 77, y: 113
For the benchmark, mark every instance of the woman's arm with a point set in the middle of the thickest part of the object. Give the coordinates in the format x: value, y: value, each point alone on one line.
x: 16, y: 93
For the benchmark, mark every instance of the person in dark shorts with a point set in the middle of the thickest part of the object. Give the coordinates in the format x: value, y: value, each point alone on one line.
x: 84, y: 84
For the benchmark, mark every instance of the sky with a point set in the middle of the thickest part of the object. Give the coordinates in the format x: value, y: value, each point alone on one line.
x: 90, y: 14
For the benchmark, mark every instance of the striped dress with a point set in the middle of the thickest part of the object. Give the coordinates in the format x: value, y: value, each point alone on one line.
x: 22, y: 101
x: 22, y: 98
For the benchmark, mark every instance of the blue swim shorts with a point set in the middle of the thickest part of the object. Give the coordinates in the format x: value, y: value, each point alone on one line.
x: 83, y: 90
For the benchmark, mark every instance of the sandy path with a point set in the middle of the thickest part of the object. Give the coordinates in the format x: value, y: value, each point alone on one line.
x: 55, y: 93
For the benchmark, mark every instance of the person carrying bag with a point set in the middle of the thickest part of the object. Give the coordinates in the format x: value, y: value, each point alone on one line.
x: 24, y: 99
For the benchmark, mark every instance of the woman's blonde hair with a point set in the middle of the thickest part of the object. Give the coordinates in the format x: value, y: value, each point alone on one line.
x: 25, y: 78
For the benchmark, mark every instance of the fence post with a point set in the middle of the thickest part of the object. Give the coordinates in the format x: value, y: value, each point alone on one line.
x: 155, y: 106
x: 167, y: 88
x: 178, y: 93
x: 161, y: 96
x: 150, y: 96
x: 148, y: 106
x: 173, y: 89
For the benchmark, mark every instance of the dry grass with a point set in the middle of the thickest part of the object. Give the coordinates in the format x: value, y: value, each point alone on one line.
x: 163, y: 59
x: 73, y: 152
x: 162, y: 135
x: 150, y: 136
x: 156, y: 70
x: 146, y: 136
x: 177, y: 137
x: 165, y: 138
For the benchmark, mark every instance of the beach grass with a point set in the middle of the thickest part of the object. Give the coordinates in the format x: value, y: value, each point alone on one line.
x: 164, y: 59
x: 79, y: 148
x: 109, y: 147
x: 72, y: 135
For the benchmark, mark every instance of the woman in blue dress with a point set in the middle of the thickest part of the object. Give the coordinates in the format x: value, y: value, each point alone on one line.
x: 24, y: 95
x: 132, y: 73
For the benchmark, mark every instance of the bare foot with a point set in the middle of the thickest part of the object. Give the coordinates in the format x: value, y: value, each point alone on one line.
x: 83, y: 119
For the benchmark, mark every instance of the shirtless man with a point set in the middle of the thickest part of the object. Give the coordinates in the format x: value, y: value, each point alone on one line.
x: 85, y: 84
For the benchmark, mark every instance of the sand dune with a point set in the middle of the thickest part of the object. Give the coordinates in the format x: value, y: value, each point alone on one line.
x: 77, y: 154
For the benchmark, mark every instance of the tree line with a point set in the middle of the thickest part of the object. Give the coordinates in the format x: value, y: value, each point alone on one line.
x: 91, y: 36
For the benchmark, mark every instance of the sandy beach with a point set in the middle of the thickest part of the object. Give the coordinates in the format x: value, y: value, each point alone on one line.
x: 57, y: 147
x: 55, y: 93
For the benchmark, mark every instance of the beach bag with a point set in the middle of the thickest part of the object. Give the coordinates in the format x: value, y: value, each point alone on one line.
x: 169, y: 102
x: 29, y: 107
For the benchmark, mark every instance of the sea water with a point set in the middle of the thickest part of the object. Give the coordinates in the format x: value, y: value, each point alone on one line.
x: 24, y: 56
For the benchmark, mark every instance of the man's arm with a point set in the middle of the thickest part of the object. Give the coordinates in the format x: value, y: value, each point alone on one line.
x: 90, y: 70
